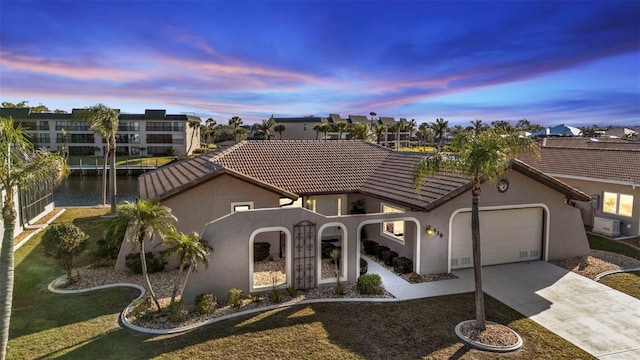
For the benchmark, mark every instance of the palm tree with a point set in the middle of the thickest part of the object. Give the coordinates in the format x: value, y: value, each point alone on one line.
x: 23, y: 167
x: 360, y: 131
x: 379, y: 130
x: 210, y: 124
x: 502, y: 126
x: 483, y: 156
x: 317, y: 127
x: 341, y: 127
x: 266, y: 128
x: 322, y: 127
x: 410, y: 127
x: 146, y: 218
x: 235, y: 122
x: 425, y: 133
x: 279, y: 128
x: 105, y: 121
x: 194, y: 125
x: 191, y: 250
x: 373, y: 114
x: 440, y: 127
x: 478, y: 125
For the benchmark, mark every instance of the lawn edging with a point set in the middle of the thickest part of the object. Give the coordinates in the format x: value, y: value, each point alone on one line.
x: 53, y: 287
x: 611, y: 272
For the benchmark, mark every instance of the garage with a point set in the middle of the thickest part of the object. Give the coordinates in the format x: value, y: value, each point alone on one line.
x: 507, y: 235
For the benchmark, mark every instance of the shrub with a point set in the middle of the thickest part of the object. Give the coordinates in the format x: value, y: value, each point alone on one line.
x: 326, y: 250
x: 205, y: 304
x: 369, y: 284
x: 143, y: 308
x: 379, y: 249
x: 176, y: 311
x: 255, y: 298
x: 414, y: 277
x: 63, y: 241
x: 369, y: 247
x: 154, y: 263
x: 339, y: 289
x: 234, y: 297
x: 293, y: 292
x: 261, y: 251
x: 388, y: 256
x: 109, y: 245
x: 364, y: 266
x: 403, y: 265
x: 274, y: 296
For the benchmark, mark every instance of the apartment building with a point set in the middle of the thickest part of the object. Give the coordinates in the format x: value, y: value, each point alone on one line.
x: 154, y: 133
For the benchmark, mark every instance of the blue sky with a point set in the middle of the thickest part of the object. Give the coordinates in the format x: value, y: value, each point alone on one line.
x: 552, y: 62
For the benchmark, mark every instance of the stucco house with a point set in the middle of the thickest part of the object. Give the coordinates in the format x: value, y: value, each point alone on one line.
x: 303, y: 196
x: 606, y: 169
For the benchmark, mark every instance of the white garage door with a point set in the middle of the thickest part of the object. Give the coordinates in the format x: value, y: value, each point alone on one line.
x: 506, y: 236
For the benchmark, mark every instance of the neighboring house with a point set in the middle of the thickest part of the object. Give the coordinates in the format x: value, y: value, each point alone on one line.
x: 621, y: 132
x: 154, y: 133
x: 558, y: 130
x: 305, y: 197
x: 606, y: 169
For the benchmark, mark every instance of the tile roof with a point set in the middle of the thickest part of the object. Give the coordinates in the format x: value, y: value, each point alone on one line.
x: 312, y: 167
x: 589, y: 143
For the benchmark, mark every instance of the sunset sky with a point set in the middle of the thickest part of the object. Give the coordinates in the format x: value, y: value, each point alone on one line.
x: 552, y: 62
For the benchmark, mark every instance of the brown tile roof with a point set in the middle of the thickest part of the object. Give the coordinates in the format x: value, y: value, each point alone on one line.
x: 588, y: 143
x: 355, y: 119
x: 311, y: 167
x: 600, y: 163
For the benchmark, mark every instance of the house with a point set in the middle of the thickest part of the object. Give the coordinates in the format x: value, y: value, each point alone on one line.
x: 558, y: 130
x: 606, y: 169
x: 304, y: 198
x: 154, y: 133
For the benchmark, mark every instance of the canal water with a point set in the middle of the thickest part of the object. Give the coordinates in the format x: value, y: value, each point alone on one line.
x: 85, y: 190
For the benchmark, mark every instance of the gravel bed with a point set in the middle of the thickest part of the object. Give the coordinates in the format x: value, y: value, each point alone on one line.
x: 598, y: 261
x: 413, y: 277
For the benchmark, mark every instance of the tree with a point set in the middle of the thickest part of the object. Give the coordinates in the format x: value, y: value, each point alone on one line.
x: 40, y: 108
x: 502, y: 125
x: 440, y: 127
x: 235, y: 122
x: 146, y: 218
x: 341, y: 126
x: 395, y: 129
x: 478, y: 125
x: 279, y: 128
x: 266, y: 128
x: 410, y: 127
x: 104, y: 121
x: 379, y: 130
x: 425, y: 133
x: 63, y: 241
x: 373, y: 115
x: 21, y: 166
x: 194, y: 125
x: 483, y: 156
x: 191, y: 250
x: 210, y: 125
x: 322, y: 127
x: 526, y: 125
x: 360, y: 131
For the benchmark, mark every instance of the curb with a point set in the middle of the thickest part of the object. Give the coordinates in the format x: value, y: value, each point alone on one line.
x: 128, y: 324
x: 610, y: 272
x: 485, y: 347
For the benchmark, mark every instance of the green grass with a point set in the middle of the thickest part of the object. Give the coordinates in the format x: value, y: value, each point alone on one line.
x: 599, y: 243
x: 629, y: 283
x: 46, y: 325
x: 121, y: 160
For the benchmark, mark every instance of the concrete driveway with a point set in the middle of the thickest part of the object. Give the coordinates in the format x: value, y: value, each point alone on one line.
x: 602, y: 321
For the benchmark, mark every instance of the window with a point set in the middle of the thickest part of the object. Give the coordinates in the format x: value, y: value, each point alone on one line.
x: 241, y: 206
x: 393, y: 229
x: 178, y: 126
x: 618, y: 204
x: 159, y: 126
x: 159, y: 138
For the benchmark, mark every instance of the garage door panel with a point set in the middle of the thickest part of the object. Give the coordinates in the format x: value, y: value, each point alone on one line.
x: 506, y: 236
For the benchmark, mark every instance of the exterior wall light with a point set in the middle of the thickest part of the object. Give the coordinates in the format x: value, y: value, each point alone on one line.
x: 430, y: 231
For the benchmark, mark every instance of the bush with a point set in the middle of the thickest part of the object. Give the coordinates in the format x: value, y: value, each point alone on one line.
x: 255, y: 298
x: 177, y: 312
x: 369, y: 284
x: 369, y: 247
x: 143, y: 308
x: 364, y: 266
x: 275, y: 296
x: 109, y: 245
x: 379, y: 249
x: 261, y: 251
x: 326, y: 250
x: 388, y: 256
x: 154, y: 263
x: 63, y: 241
x: 293, y: 292
x: 234, y: 297
x: 205, y: 304
x: 339, y: 289
x: 403, y: 265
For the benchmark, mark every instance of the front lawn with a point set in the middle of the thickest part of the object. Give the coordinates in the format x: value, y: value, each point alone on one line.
x: 600, y: 243
x: 628, y: 283
x: 46, y: 325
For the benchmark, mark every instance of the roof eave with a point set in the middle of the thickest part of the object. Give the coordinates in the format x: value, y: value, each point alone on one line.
x: 569, y: 191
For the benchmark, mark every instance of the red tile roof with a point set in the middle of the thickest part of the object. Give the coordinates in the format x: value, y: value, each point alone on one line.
x: 311, y: 167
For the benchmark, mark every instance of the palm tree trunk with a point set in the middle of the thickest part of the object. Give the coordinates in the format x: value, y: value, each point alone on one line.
x: 176, y: 284
x: 112, y: 178
x: 7, y: 270
x: 104, y: 175
x: 477, y: 256
x: 184, y: 282
x: 145, y: 273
